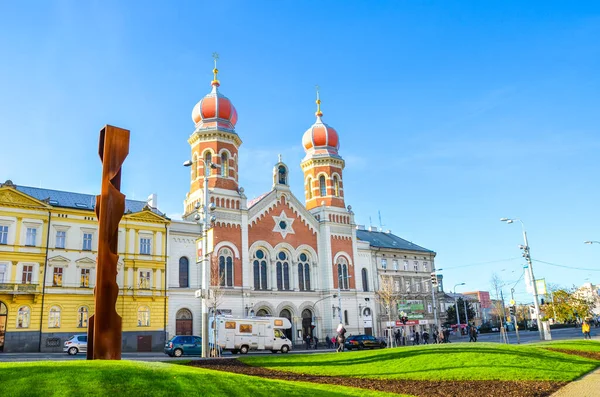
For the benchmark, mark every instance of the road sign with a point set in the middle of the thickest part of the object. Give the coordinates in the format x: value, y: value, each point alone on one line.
x: 198, y: 293
x: 512, y: 302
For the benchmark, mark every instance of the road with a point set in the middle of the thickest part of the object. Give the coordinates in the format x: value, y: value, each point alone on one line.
x: 525, y: 337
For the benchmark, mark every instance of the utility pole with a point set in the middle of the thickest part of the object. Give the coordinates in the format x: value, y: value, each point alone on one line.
x: 503, y: 335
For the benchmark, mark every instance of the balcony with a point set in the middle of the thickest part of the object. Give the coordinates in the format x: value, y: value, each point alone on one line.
x: 19, y: 289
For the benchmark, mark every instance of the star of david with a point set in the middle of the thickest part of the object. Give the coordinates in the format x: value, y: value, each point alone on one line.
x: 283, y: 224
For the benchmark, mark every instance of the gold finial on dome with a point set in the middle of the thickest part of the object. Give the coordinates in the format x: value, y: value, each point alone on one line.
x: 318, y: 101
x: 215, y: 81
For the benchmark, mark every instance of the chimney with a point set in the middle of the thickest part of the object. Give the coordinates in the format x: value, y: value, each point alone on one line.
x: 372, y: 228
x: 153, y: 201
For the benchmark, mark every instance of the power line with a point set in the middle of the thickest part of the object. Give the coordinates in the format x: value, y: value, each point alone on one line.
x: 483, y: 263
x: 567, y: 267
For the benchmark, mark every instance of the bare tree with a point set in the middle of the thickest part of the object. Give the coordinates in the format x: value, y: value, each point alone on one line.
x: 387, y: 296
x: 497, y: 303
x: 214, y: 300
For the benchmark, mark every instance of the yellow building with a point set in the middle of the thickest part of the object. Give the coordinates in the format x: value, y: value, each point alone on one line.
x: 48, y: 247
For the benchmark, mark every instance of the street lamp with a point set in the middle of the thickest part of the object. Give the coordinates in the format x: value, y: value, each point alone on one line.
x: 433, y: 287
x: 206, y: 220
x: 527, y: 255
x: 314, y: 305
x: 456, y: 308
x: 591, y: 242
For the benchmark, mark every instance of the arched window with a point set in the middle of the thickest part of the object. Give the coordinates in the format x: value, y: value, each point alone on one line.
x: 304, y: 273
x: 322, y: 186
x: 260, y: 270
x: 364, y: 280
x: 262, y: 313
x: 82, y: 317
x: 282, y: 175
x: 225, y: 268
x: 194, y: 167
x: 184, y: 269
x: 23, y: 317
x: 336, y: 186
x: 343, y: 273
x: 224, y: 165
x: 143, y: 316
x: 346, y: 317
x: 207, y: 161
x: 309, y: 188
x: 54, y: 317
x: 283, y: 271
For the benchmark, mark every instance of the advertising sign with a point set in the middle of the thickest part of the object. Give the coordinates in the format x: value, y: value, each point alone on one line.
x: 413, y: 309
x: 210, y: 244
x: 541, y: 286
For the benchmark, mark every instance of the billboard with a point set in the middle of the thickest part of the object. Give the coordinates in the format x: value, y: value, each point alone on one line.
x: 413, y: 309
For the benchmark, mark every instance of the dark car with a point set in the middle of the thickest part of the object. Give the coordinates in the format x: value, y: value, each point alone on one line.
x: 363, y: 342
x: 184, y: 345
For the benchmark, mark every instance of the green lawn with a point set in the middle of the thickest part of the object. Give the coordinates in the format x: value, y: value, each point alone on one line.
x: 141, y: 379
x: 483, y: 361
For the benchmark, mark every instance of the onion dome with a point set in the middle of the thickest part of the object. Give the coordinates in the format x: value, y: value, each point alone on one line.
x: 215, y: 110
x: 320, y: 136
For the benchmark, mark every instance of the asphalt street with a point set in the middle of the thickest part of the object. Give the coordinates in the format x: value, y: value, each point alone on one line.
x: 524, y: 336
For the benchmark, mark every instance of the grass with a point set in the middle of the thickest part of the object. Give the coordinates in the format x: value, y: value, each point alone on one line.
x: 134, y: 378
x: 478, y: 361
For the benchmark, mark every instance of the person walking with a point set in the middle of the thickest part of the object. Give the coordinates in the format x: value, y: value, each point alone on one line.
x: 447, y: 335
x: 585, y: 328
x: 425, y: 337
x: 341, y: 337
x: 417, y: 336
x: 441, y: 336
x: 328, y: 341
x: 472, y: 334
x: 307, y: 339
x: 434, y: 335
x: 397, y: 337
x: 316, y: 342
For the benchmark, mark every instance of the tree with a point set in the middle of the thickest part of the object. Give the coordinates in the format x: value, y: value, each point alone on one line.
x: 498, y: 303
x: 387, y: 296
x: 451, y: 312
x: 567, y: 305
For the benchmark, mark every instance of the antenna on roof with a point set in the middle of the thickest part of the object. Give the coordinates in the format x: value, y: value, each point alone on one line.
x: 380, y: 223
x: 370, y: 223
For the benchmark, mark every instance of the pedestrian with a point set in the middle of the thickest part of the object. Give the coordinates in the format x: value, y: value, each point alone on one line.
x: 425, y: 337
x: 441, y: 338
x: 341, y: 337
x: 447, y: 335
x: 316, y: 342
x: 307, y: 339
x: 328, y: 341
x: 434, y: 335
x: 397, y: 337
x: 585, y: 328
x: 417, y: 337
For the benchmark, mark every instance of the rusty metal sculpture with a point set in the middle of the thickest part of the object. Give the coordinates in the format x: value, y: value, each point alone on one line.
x: 105, y: 328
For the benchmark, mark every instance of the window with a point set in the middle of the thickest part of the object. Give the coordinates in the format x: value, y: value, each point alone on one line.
x: 143, y: 317
x: 225, y: 268
x: 82, y: 317
x: 145, y: 245
x: 424, y: 266
x: 346, y: 317
x: 224, y: 165
x: 87, y: 242
x: 282, y: 175
x: 364, y: 280
x: 2, y: 273
x: 417, y: 286
x: 23, y: 316
x: 405, y: 265
x: 384, y: 263
x: 229, y: 324
x: 322, y: 187
x: 343, y: 273
x: 3, y: 234
x: 309, y: 188
x: 395, y: 263
x: 336, y: 186
x: 57, y: 278
x: 416, y: 264
x: 85, y: 278
x: 31, y: 236
x: 397, y: 286
x: 283, y: 271
x: 304, y: 273
x: 246, y: 328
x: 144, y: 279
x: 61, y: 236
x: 184, y: 267
x: 207, y: 161
x: 194, y: 167
x: 260, y: 270
x: 54, y: 317
x: 27, y: 274
x: 407, y: 285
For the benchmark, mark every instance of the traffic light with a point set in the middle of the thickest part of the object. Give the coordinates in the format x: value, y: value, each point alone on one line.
x: 434, y: 279
x: 511, y: 310
x: 403, y: 319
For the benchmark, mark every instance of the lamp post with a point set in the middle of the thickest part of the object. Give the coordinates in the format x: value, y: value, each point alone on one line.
x: 456, y: 308
x: 206, y: 221
x: 314, y: 305
x: 527, y: 255
x: 591, y: 242
x: 433, y: 287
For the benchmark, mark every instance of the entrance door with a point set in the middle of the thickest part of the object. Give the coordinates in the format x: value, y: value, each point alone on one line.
x: 184, y: 322
x: 306, y: 322
x: 3, y: 317
x: 286, y: 313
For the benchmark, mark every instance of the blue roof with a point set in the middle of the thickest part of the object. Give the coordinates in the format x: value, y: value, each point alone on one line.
x: 57, y: 198
x: 388, y: 240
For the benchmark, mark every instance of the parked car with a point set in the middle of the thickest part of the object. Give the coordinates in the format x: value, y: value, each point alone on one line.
x: 184, y: 345
x: 363, y: 341
x: 75, y: 344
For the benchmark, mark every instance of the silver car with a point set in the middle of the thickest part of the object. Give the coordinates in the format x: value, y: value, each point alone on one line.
x: 76, y: 344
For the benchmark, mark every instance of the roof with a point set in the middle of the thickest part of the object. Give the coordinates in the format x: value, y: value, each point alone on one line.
x: 57, y: 198
x: 388, y: 240
x: 257, y: 199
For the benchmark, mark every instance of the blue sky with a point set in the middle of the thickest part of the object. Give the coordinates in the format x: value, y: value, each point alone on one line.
x: 450, y: 116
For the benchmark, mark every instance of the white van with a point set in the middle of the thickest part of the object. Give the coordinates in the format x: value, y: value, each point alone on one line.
x: 238, y: 334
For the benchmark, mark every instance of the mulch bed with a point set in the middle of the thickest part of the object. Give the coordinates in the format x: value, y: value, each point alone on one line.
x: 592, y: 355
x: 420, y: 388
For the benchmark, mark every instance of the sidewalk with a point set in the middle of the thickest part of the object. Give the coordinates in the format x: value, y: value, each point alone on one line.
x: 588, y: 386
